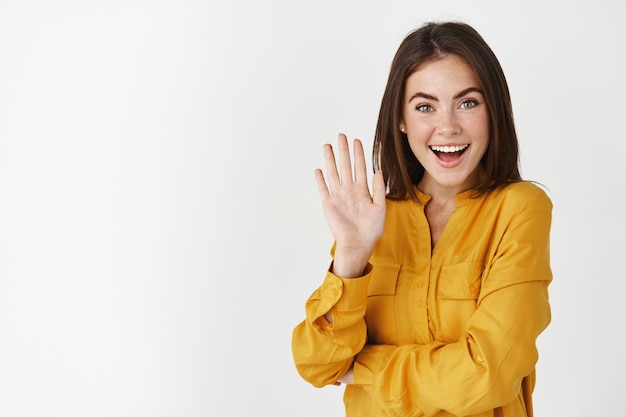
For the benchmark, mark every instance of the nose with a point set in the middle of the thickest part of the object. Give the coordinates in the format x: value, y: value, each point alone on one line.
x: 449, y: 124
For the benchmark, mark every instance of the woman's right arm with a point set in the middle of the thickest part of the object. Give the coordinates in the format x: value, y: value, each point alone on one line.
x: 334, y: 330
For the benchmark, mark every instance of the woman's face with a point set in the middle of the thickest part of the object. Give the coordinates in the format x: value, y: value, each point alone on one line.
x: 446, y: 121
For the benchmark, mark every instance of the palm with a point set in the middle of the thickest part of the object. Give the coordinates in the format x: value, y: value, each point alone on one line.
x: 355, y: 218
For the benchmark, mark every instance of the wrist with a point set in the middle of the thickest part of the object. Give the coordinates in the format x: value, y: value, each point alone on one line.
x: 350, y: 264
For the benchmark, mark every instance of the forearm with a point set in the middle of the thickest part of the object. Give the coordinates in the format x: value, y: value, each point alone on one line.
x: 350, y: 263
x: 478, y: 372
x: 323, y: 351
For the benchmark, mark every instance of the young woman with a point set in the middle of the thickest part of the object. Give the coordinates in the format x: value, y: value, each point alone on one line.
x: 438, y: 286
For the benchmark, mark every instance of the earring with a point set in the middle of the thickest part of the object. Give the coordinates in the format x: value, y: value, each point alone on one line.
x: 403, y: 130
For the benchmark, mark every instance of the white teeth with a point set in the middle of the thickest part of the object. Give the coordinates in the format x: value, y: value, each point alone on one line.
x: 449, y: 149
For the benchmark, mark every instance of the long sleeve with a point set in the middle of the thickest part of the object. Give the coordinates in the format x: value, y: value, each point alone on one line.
x: 484, y: 368
x: 324, y: 351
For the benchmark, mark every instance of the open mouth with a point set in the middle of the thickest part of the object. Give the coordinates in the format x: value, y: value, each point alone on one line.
x: 449, y: 153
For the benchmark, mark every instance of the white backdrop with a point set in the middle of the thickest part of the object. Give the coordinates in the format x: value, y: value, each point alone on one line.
x: 160, y: 228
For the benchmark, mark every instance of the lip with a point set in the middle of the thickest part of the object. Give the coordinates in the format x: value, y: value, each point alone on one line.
x: 452, y: 163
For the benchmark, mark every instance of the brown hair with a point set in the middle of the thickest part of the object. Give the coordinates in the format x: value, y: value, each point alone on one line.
x: 392, y: 154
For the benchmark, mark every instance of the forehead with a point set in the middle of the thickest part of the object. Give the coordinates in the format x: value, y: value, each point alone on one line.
x: 450, y: 71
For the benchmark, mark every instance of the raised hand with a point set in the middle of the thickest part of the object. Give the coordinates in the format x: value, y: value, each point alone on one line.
x: 355, y: 216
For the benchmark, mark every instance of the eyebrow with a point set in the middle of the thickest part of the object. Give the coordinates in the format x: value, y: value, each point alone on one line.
x: 459, y: 95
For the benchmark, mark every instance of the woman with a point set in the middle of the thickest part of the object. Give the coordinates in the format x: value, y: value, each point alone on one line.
x: 437, y: 290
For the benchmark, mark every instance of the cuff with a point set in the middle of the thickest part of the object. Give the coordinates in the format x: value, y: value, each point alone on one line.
x: 347, y: 297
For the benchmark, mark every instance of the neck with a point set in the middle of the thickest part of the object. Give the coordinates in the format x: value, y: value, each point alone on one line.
x: 442, y: 194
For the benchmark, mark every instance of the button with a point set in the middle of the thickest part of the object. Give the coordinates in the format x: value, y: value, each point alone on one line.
x: 420, y: 284
x: 480, y: 358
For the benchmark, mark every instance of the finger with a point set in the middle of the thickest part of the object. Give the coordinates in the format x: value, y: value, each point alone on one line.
x: 345, y: 165
x: 360, y: 173
x: 322, y: 188
x: 379, y: 189
x: 331, y: 167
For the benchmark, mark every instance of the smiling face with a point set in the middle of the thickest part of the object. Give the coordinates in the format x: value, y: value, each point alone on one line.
x: 446, y: 120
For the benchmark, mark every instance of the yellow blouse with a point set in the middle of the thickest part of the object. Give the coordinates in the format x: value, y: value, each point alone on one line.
x: 447, y: 332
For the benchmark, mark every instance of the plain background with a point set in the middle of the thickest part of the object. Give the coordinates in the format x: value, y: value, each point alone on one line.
x: 160, y: 228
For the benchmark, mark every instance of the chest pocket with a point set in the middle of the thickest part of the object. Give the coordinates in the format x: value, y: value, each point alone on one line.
x: 458, y: 288
x: 380, y: 316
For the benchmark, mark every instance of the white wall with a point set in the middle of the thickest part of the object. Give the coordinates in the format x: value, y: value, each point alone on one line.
x: 159, y: 224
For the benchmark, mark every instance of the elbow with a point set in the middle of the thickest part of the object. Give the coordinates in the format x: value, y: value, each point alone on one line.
x: 504, y: 379
x: 500, y: 375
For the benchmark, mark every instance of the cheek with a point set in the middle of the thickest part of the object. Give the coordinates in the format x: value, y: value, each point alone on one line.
x: 419, y: 131
x: 480, y: 134
x: 419, y: 148
x: 417, y: 141
x: 479, y: 126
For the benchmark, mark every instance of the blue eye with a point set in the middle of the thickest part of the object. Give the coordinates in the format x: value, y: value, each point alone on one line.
x: 424, y: 108
x: 468, y: 104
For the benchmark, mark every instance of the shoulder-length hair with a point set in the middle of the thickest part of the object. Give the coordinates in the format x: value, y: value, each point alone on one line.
x: 391, y: 152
